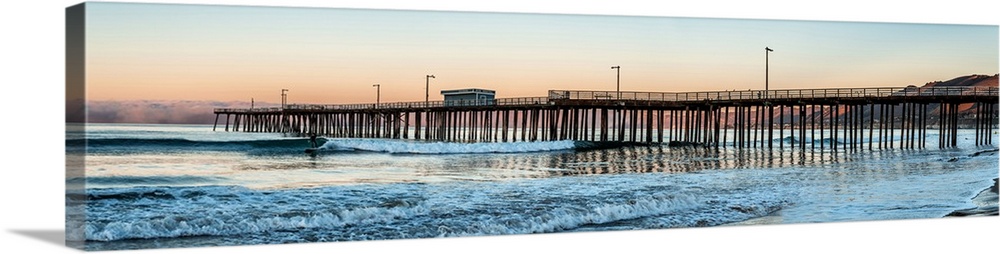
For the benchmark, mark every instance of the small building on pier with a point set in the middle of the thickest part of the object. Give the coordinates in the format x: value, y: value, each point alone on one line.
x: 469, y: 97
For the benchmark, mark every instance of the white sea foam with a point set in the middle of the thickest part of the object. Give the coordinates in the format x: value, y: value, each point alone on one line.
x: 222, y: 223
x: 397, y: 146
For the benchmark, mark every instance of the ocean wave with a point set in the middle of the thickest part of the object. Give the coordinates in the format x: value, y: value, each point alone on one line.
x: 410, y: 147
x: 562, y: 219
x: 155, y: 192
x: 411, y: 210
x: 168, y: 212
x: 128, y: 145
x: 110, y: 181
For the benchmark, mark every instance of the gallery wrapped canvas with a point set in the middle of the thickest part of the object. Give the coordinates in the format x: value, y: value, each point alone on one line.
x: 203, y: 125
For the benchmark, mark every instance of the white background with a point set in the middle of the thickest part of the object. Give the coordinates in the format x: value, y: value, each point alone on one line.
x: 32, y: 81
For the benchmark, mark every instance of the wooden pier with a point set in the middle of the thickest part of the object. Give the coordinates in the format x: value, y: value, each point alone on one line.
x: 844, y: 118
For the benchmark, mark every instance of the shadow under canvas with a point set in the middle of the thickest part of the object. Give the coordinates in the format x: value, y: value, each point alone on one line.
x: 53, y: 236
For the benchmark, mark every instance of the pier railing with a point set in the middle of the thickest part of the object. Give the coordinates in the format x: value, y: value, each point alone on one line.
x: 422, y: 104
x: 882, y: 92
x: 396, y: 105
x: 247, y: 110
x: 555, y: 95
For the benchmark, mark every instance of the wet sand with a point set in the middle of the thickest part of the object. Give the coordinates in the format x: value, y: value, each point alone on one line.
x: 770, y: 219
x: 986, y: 204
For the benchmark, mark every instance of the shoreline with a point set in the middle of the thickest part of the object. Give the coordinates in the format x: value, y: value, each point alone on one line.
x: 986, y: 205
x: 773, y: 218
x: 985, y: 201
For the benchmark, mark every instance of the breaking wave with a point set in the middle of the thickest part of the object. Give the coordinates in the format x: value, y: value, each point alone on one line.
x: 410, y: 147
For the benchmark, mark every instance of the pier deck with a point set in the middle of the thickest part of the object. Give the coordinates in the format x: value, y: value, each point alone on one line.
x: 841, y: 118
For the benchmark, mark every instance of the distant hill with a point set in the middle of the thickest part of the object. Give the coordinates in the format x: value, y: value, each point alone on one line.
x: 966, y: 81
x: 966, y: 111
x: 963, y: 81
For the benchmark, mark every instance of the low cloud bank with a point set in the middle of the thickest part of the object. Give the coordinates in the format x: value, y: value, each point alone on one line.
x: 159, y: 111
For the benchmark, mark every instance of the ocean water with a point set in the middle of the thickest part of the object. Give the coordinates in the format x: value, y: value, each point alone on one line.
x: 156, y: 186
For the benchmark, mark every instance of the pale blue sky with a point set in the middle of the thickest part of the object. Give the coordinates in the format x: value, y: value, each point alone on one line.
x: 157, y: 51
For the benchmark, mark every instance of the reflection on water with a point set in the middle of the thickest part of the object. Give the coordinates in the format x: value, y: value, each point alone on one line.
x: 624, y: 160
x: 660, y: 159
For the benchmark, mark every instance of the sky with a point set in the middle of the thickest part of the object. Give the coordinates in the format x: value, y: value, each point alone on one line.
x: 334, y: 56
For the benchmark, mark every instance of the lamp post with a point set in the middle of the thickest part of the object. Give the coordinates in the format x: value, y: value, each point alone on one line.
x: 284, y: 97
x: 427, y: 89
x: 767, y: 52
x: 378, y: 93
x: 618, y: 90
x: 618, y: 81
